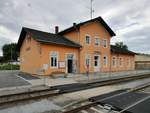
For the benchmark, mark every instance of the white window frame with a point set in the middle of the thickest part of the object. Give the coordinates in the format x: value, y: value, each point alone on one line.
x: 57, y: 56
x: 28, y: 38
x: 106, y: 61
x: 89, y: 57
x: 104, y: 43
x: 96, y: 37
x: 89, y: 39
x: 128, y: 61
x: 114, y: 61
x: 120, y: 61
x: 98, y: 61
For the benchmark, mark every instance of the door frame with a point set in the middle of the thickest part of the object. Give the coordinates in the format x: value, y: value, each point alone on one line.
x: 97, y: 68
x: 67, y: 60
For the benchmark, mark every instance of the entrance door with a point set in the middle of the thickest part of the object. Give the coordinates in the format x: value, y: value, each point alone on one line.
x: 70, y: 63
x: 96, y: 63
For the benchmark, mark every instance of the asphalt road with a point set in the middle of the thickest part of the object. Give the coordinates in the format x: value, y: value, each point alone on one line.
x: 10, y: 79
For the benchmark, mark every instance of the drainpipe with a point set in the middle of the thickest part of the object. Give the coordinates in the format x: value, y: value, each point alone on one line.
x: 78, y: 33
x: 110, y: 64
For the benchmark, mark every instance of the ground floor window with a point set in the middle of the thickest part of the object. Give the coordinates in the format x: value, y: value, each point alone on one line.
x: 128, y: 61
x: 96, y: 61
x: 54, y: 59
x: 87, y: 60
x: 114, y: 61
x: 105, y: 61
x: 120, y: 61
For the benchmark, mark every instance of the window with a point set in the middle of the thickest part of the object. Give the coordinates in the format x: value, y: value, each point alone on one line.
x: 114, y: 61
x: 105, y: 60
x: 28, y: 39
x: 87, y: 60
x: 87, y: 39
x: 97, y: 41
x: 105, y: 43
x: 120, y: 61
x: 96, y: 61
x: 128, y: 61
x: 54, y: 59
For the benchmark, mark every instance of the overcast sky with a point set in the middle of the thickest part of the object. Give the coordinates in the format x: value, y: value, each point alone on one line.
x: 130, y: 19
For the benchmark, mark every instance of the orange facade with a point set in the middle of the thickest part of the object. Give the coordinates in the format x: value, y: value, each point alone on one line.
x: 30, y: 56
x: 121, y: 62
x: 93, y: 56
x: 94, y: 30
x: 37, y: 59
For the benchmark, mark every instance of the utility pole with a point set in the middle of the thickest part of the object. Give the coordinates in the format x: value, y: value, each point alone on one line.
x: 91, y: 8
x: 11, y: 57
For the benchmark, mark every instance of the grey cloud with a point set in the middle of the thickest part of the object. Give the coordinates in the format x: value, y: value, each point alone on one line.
x: 44, y: 15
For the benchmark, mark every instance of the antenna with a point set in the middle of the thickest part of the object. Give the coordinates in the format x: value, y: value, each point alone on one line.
x: 91, y: 8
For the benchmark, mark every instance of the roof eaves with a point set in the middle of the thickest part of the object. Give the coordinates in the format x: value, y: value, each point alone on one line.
x: 50, y: 42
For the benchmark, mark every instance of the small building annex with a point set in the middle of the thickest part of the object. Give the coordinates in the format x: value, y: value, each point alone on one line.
x: 78, y: 49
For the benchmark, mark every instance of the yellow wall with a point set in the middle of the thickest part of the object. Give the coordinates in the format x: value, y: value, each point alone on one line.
x: 128, y: 62
x: 142, y: 57
x: 62, y: 54
x: 33, y: 60
x: 92, y: 29
x: 30, y: 56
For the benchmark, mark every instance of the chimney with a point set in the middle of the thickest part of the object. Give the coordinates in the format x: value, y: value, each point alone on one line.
x: 74, y: 24
x: 56, y: 29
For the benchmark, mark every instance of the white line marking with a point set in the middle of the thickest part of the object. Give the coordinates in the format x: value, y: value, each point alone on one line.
x: 92, y: 108
x: 136, y: 103
x: 83, y: 111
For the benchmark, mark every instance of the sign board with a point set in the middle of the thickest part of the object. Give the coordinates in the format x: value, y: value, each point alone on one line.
x: 61, y: 64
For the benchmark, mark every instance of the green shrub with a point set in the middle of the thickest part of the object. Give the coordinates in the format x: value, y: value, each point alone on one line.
x: 9, y: 67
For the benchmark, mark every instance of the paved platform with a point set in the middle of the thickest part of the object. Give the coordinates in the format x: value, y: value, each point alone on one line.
x: 10, y: 79
x: 28, y: 76
x: 82, y: 78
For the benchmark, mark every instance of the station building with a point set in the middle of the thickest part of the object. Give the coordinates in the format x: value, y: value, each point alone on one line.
x: 78, y: 49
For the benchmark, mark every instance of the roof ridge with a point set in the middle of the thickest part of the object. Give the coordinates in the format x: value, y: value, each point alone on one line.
x: 45, y: 37
x: 37, y: 30
x: 99, y: 18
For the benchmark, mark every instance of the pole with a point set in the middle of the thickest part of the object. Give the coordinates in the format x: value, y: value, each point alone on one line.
x: 11, y: 57
x: 91, y: 8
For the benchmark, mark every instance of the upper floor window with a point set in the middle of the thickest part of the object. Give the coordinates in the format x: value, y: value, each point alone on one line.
x: 28, y: 38
x: 87, y: 39
x: 105, y: 42
x: 97, y: 41
x: 105, y: 60
x: 54, y: 59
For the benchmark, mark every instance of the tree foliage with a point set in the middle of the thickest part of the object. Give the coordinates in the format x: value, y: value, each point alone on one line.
x: 121, y: 45
x: 9, y: 52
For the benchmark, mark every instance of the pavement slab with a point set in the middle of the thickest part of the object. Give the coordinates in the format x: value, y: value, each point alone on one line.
x: 10, y: 79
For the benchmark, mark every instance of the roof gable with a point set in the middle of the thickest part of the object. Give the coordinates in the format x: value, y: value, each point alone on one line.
x: 99, y: 19
x: 45, y: 38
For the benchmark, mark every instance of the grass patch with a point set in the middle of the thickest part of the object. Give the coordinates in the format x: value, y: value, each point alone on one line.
x: 9, y: 67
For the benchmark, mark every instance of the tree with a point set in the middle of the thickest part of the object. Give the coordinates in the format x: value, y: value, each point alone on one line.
x: 9, y: 52
x: 121, y: 45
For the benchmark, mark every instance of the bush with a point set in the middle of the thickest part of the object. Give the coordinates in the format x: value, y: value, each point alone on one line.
x: 9, y: 67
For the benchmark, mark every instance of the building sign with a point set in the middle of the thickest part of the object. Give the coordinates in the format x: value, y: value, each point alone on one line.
x: 61, y: 64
